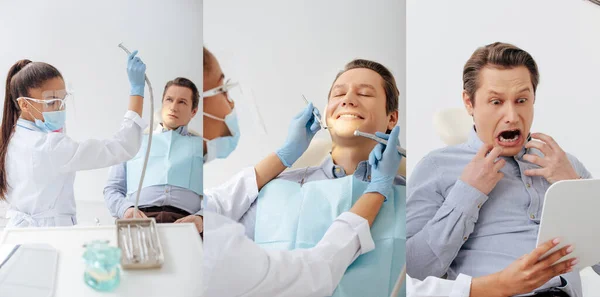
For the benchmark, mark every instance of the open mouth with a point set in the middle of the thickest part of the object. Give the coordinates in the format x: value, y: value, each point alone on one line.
x: 349, y: 115
x: 509, y: 137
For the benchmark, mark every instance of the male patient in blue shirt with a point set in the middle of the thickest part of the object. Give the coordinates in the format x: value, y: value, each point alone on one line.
x: 166, y: 203
x: 474, y: 208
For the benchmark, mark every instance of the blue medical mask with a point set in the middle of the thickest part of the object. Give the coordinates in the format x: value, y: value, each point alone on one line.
x: 221, y: 147
x: 53, y: 121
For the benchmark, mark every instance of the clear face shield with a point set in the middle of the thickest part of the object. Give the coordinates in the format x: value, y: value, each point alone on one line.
x: 250, y: 116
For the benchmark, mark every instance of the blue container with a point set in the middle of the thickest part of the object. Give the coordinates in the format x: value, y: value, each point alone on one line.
x: 102, y: 271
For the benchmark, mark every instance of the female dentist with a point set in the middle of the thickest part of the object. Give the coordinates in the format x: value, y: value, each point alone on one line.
x: 236, y: 266
x: 38, y: 160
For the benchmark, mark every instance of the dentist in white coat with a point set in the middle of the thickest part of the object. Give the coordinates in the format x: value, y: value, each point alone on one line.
x: 234, y: 265
x: 38, y: 161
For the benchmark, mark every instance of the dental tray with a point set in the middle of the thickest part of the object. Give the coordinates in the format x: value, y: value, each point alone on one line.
x: 139, y: 243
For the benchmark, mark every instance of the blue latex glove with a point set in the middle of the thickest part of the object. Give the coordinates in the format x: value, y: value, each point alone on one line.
x: 384, y: 161
x: 136, y: 69
x: 302, y: 129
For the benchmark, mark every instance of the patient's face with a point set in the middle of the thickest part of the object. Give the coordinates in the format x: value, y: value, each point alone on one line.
x: 503, y: 111
x: 216, y: 105
x: 358, y: 101
x: 177, y: 107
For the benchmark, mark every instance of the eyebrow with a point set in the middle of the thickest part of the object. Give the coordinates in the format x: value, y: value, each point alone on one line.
x: 368, y: 86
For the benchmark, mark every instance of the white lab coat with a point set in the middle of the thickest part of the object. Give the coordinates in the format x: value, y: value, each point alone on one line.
x: 41, y: 169
x: 236, y: 266
x: 438, y: 287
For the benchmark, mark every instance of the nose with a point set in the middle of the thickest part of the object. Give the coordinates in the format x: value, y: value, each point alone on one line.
x: 511, y: 115
x: 350, y: 99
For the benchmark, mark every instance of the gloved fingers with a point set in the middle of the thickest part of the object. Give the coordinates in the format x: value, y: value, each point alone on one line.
x: 394, y: 136
x: 378, y: 151
x: 307, y: 113
x: 382, y: 135
x: 314, y: 126
x: 318, y: 113
x: 393, y: 142
x: 372, y: 159
x: 132, y: 55
x: 142, y: 67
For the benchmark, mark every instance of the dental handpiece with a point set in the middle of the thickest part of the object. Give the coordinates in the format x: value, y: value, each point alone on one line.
x: 137, y: 198
x: 316, y: 115
x: 380, y: 140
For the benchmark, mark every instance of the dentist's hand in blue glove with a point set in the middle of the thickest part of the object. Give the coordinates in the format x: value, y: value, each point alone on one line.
x: 385, y: 162
x: 302, y: 129
x: 136, y: 69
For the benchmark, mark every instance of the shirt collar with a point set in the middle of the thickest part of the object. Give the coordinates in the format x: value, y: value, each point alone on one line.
x: 363, y: 169
x: 475, y: 143
x: 183, y: 130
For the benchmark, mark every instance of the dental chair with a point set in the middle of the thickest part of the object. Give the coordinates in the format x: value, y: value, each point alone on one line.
x: 452, y: 126
x: 320, y: 148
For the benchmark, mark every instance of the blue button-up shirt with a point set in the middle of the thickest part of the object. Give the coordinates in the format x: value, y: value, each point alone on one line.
x: 327, y: 170
x: 117, y: 200
x: 454, y: 228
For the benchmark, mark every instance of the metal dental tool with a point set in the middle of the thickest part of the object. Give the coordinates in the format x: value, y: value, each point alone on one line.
x: 317, y: 117
x: 380, y: 140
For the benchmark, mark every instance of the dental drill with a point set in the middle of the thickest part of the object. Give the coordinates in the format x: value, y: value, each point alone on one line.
x: 401, y: 150
x: 138, y: 237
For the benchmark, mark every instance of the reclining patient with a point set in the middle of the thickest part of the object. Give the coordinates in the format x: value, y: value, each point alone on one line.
x: 294, y: 209
x: 170, y: 193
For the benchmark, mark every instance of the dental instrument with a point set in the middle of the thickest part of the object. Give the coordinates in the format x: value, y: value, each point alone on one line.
x: 401, y: 150
x: 317, y: 117
x: 136, y: 250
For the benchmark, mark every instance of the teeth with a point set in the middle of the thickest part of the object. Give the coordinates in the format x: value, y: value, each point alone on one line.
x: 502, y: 139
x: 349, y: 116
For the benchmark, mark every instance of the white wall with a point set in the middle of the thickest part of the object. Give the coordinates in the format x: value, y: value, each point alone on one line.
x: 282, y: 49
x: 80, y: 38
x: 563, y: 38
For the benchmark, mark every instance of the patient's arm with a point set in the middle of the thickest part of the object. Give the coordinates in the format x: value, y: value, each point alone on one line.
x: 115, y: 191
x: 437, y: 226
x: 268, y: 169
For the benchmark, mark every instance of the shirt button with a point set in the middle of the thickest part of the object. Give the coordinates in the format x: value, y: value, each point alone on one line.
x: 528, y: 185
x: 166, y: 190
x: 479, y: 205
x: 368, y: 177
x: 532, y: 216
x: 465, y: 238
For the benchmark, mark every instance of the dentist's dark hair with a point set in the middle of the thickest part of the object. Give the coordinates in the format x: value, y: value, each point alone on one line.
x: 22, y: 77
x: 389, y: 82
x: 497, y: 55
x: 186, y: 83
